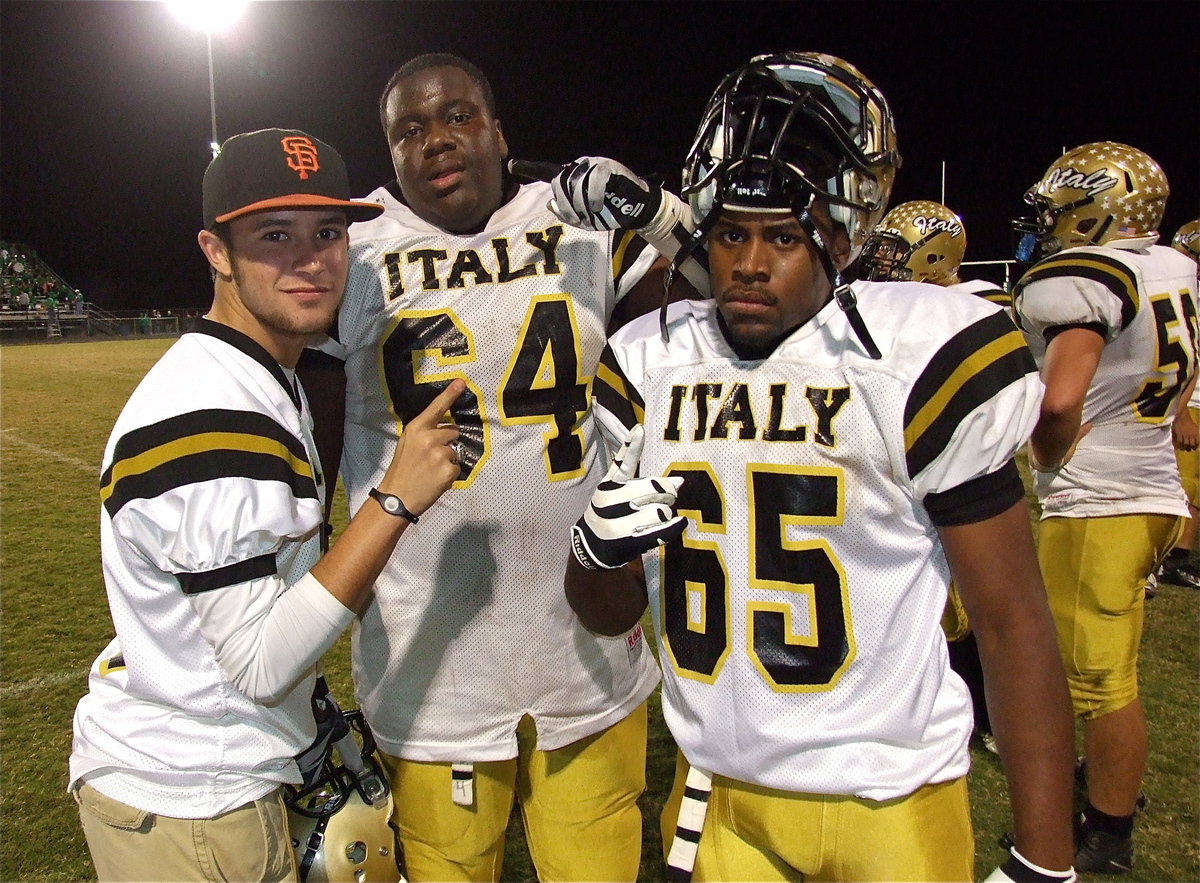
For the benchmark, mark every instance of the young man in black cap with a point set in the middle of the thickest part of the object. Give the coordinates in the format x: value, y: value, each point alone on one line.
x: 212, y: 498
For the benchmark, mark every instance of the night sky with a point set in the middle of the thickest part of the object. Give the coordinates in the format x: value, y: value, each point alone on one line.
x: 105, y: 105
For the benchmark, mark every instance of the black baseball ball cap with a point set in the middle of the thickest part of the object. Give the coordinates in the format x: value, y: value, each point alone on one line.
x: 278, y: 169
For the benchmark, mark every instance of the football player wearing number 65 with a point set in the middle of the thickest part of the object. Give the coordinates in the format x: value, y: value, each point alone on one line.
x: 476, y: 678
x: 838, y: 453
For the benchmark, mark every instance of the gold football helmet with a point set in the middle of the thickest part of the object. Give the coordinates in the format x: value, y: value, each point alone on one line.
x: 1187, y: 240
x: 919, y: 241
x: 341, y: 823
x: 1091, y: 195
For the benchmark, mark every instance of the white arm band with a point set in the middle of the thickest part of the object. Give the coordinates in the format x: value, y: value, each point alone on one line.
x: 266, y: 639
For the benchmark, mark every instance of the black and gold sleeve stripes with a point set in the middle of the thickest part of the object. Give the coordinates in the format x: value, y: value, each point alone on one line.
x: 1109, y: 272
x: 201, y: 446
x: 613, y: 391
x: 626, y: 246
x: 968, y: 370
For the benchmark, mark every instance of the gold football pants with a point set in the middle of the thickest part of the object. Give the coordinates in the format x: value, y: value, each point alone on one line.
x: 578, y: 803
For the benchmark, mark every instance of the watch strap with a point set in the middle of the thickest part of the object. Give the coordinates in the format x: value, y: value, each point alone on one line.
x: 392, y: 505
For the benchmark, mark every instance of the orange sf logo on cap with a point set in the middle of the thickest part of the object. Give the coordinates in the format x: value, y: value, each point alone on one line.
x: 302, y: 155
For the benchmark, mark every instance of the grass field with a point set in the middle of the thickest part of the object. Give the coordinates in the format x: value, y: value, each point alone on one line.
x: 57, y: 405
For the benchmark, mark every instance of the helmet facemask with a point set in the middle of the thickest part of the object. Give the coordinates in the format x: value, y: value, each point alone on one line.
x: 784, y: 131
x: 884, y: 258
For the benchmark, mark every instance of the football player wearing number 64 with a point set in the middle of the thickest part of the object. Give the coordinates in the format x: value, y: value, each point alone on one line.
x: 478, y: 681
x: 831, y: 460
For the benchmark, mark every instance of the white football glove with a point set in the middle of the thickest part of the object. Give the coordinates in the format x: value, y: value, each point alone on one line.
x: 597, y: 193
x: 627, y: 516
x: 1019, y: 869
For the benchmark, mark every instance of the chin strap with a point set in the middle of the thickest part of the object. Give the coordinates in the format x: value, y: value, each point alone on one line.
x: 688, y: 250
x: 842, y: 292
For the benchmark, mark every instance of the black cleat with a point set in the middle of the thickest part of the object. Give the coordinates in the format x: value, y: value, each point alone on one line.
x: 1102, y: 853
x: 1180, y: 573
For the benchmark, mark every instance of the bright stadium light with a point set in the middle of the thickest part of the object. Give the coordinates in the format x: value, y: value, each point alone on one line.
x: 209, y: 16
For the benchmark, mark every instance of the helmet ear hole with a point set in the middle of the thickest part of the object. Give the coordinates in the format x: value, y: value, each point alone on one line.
x: 1086, y: 225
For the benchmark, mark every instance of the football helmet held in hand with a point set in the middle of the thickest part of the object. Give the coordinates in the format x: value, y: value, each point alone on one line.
x: 341, y: 823
x: 919, y: 241
x: 1091, y: 195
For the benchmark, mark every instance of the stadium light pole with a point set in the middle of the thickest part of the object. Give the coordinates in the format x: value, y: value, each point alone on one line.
x: 209, y: 16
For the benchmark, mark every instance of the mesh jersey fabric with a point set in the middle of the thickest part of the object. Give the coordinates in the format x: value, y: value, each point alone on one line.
x: 210, y: 468
x: 798, y: 620
x: 469, y: 628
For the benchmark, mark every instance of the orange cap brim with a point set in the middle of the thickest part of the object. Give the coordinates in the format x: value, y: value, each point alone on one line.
x: 357, y: 211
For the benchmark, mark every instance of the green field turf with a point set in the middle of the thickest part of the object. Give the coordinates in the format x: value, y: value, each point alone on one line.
x: 57, y: 405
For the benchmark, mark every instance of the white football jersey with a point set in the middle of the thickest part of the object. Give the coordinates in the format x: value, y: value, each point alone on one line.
x: 210, y: 479
x: 982, y: 288
x: 798, y: 618
x: 469, y: 628
x: 1143, y: 301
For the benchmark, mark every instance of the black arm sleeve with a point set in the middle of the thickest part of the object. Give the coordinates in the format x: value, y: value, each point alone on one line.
x: 1099, y: 327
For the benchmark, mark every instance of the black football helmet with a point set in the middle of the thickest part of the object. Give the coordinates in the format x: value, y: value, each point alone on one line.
x: 784, y: 130
x: 788, y: 127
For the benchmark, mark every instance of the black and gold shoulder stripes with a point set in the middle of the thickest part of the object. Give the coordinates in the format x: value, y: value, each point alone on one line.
x: 1110, y: 272
x: 612, y: 390
x: 202, y: 446
x: 967, y: 371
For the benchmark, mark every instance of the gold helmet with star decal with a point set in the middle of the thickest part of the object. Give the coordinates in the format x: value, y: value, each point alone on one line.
x: 1187, y: 240
x: 918, y: 241
x: 1092, y: 195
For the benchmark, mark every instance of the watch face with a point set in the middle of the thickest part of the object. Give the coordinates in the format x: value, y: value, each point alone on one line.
x: 391, y: 504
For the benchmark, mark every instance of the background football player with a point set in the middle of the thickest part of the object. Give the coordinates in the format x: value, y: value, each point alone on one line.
x: 924, y: 241
x: 476, y: 678
x: 836, y: 463
x: 1179, y: 567
x: 1111, y: 318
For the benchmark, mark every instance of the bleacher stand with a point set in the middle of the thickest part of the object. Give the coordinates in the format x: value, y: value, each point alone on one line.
x: 36, y: 303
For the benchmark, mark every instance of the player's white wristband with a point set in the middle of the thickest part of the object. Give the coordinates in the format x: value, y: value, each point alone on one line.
x: 1035, y: 466
x: 671, y: 211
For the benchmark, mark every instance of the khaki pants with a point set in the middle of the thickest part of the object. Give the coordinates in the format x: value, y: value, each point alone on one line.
x: 578, y: 802
x: 249, y: 843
